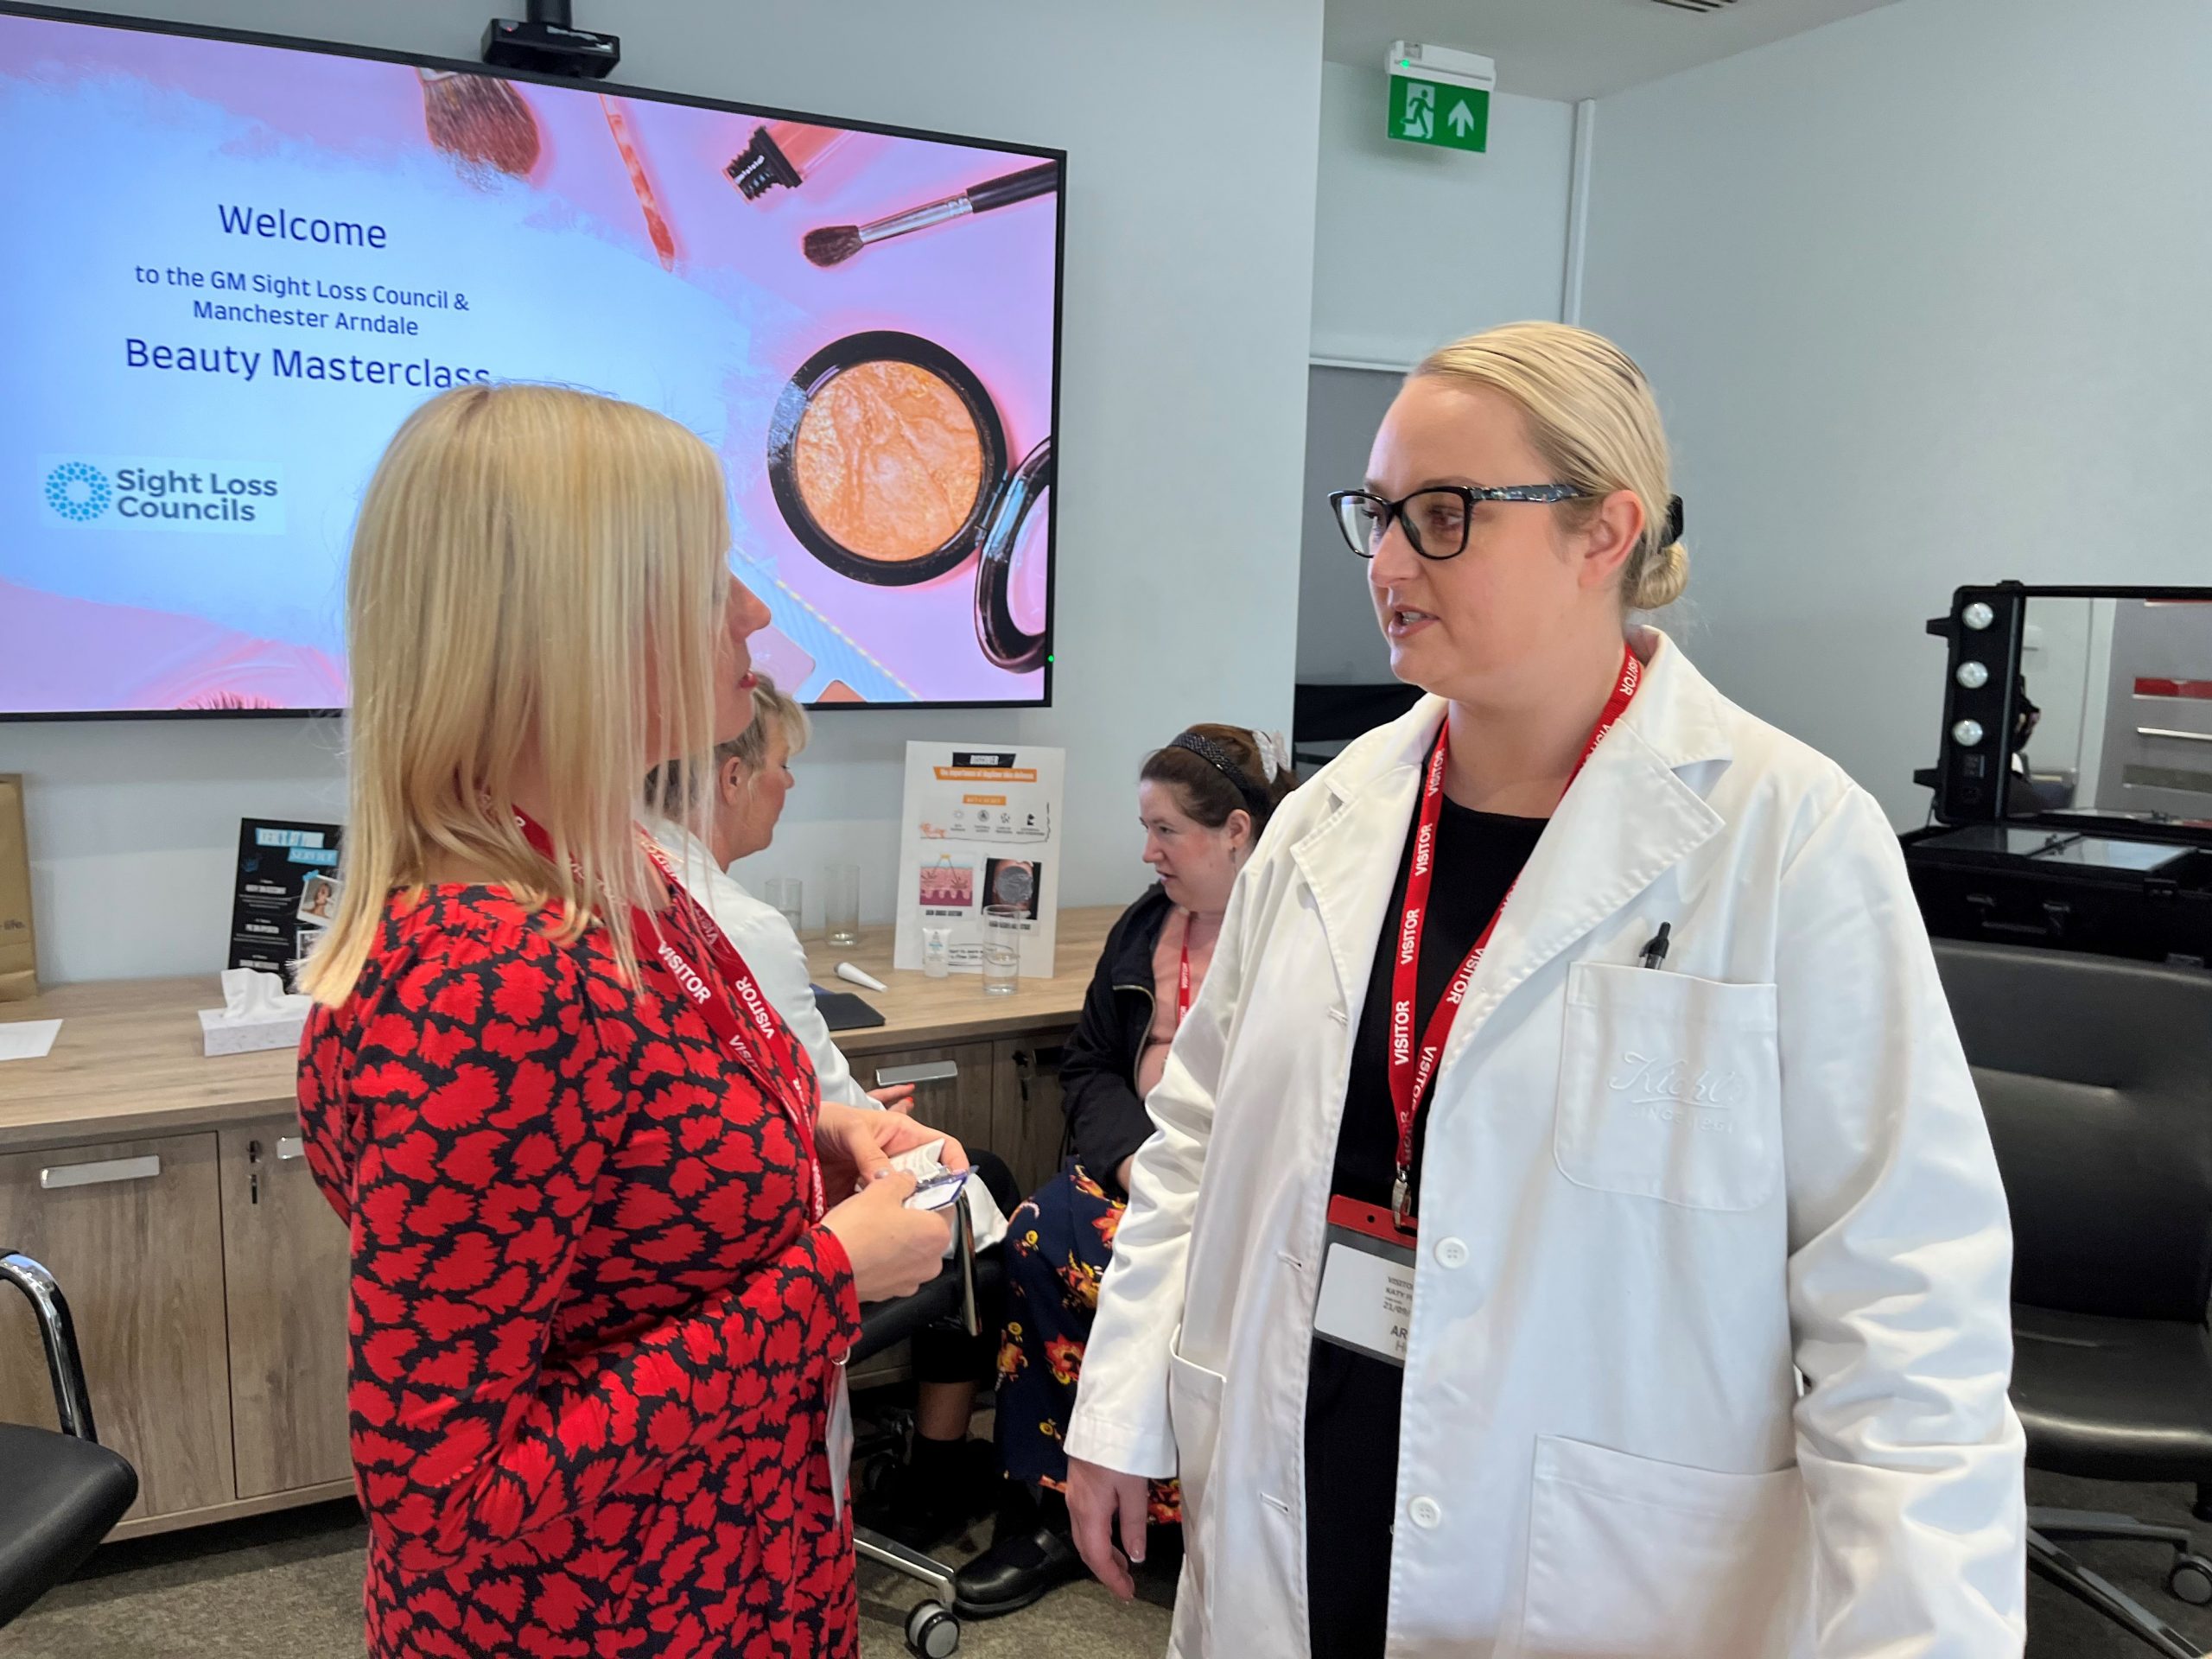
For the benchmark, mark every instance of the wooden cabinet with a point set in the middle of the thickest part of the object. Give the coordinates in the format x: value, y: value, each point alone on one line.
x: 1028, y: 1124
x: 133, y: 1231
x: 955, y: 1085
x: 284, y: 1262
x: 1004, y: 1096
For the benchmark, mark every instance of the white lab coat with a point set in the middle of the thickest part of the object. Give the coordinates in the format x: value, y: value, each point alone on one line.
x: 771, y: 949
x: 1651, y: 1202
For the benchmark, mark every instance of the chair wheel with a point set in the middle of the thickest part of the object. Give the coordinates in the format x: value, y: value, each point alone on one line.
x: 2192, y: 1581
x: 934, y: 1633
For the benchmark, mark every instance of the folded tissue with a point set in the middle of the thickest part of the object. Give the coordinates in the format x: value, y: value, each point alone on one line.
x: 257, y: 1012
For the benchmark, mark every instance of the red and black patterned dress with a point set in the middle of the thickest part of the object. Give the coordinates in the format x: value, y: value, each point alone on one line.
x: 593, y: 1335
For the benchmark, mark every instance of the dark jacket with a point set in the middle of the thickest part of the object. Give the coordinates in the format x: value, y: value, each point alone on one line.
x: 1098, y: 1068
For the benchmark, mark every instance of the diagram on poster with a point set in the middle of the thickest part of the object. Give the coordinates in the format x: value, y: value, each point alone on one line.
x: 980, y: 838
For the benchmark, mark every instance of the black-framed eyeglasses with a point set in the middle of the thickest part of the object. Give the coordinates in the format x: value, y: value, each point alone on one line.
x: 1435, y: 520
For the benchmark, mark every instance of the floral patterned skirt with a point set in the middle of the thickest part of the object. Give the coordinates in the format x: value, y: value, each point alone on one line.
x: 1057, y: 1248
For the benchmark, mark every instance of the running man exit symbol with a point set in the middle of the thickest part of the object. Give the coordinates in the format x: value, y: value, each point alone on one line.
x: 1418, y: 120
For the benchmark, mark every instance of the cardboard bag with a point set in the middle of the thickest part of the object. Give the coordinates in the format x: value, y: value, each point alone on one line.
x: 18, y: 939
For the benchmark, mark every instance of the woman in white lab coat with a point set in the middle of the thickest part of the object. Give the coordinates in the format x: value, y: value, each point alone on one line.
x: 1651, y: 1301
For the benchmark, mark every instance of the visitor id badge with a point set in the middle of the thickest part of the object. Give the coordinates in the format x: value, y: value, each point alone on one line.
x: 837, y: 1441
x: 1367, y: 1283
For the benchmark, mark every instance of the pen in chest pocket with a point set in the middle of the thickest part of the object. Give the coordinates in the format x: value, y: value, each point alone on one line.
x: 1654, y: 953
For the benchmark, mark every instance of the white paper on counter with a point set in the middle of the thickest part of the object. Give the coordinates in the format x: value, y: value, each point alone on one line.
x: 28, y: 1039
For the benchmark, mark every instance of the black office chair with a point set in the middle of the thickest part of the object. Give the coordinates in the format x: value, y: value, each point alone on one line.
x: 932, y: 1629
x: 2095, y: 1075
x: 62, y: 1492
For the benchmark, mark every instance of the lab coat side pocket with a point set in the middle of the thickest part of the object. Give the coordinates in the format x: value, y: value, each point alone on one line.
x: 1670, y: 1088
x: 1628, y: 1554
x: 1194, y: 1412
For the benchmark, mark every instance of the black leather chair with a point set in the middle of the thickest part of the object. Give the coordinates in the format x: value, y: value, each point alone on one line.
x: 2095, y: 1075
x: 932, y: 1629
x: 60, y: 1493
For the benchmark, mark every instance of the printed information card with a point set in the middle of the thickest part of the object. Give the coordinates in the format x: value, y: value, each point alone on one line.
x: 286, y: 894
x: 980, y: 831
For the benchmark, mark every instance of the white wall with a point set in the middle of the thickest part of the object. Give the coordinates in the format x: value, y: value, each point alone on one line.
x: 1413, y: 247
x: 1188, y: 309
x: 1922, y: 294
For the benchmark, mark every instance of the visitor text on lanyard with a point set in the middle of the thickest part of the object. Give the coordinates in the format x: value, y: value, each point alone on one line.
x: 756, y: 1038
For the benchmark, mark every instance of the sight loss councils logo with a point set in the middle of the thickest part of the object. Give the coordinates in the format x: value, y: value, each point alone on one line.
x: 107, y: 494
x: 78, y: 491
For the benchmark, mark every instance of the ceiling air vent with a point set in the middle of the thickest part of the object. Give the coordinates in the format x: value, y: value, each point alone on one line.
x: 1696, y: 5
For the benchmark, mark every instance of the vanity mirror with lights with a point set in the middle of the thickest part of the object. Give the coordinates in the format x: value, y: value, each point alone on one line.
x: 2073, y: 796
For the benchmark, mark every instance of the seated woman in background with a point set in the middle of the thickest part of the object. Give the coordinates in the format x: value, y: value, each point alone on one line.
x: 752, y: 777
x: 1204, y: 801
x: 947, y: 1481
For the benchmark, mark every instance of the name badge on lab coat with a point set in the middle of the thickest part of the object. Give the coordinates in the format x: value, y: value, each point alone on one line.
x: 1367, y: 1283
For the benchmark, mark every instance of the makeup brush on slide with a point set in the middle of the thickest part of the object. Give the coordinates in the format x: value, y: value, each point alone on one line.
x: 656, y: 223
x: 835, y: 244
x: 479, y: 120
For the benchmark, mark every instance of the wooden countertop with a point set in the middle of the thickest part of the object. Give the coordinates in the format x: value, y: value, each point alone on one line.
x: 128, y: 1062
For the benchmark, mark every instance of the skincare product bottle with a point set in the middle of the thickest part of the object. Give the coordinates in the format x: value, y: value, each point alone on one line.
x: 784, y: 153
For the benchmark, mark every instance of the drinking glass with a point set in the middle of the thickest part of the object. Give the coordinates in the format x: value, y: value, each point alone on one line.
x: 1003, y: 927
x: 842, y: 904
x: 788, y: 894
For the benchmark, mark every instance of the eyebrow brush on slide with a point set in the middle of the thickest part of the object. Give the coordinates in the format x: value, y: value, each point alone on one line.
x: 835, y: 243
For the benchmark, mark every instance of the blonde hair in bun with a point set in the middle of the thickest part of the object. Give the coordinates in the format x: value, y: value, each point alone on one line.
x: 1591, y: 417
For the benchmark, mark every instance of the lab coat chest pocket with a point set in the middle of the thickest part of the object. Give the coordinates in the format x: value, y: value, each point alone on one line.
x: 1628, y: 1556
x: 1670, y: 1088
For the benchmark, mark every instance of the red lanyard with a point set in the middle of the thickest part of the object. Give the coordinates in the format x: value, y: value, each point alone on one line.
x: 1183, y: 981
x: 767, y: 1051
x: 1411, y: 1071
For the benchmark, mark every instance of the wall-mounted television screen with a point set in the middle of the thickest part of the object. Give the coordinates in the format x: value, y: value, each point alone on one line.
x: 234, y: 265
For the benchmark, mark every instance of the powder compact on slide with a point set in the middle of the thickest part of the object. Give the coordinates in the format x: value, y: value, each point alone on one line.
x: 889, y: 462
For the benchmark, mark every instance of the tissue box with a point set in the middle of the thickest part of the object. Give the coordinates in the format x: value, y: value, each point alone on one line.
x: 223, y: 1035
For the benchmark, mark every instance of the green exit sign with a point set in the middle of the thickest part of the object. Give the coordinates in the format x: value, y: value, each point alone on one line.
x: 1438, y: 112
x: 1440, y: 95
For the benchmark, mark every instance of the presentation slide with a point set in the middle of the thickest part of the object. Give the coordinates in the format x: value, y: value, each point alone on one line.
x: 231, y: 269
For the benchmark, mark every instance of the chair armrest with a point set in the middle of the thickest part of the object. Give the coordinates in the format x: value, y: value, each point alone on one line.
x: 73, y: 1403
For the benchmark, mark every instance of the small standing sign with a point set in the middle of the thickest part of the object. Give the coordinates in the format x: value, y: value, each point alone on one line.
x: 286, y: 894
x: 980, y: 829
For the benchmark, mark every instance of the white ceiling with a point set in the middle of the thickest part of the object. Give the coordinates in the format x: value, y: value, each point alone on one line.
x: 1572, y: 48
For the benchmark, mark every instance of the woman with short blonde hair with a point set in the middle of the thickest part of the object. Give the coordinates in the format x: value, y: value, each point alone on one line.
x: 607, y: 1247
x: 706, y: 819
x: 1578, y: 1234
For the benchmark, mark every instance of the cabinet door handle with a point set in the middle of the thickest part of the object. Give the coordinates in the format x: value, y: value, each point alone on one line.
x: 108, y: 1169
x: 289, y: 1146
x: 2167, y: 731
x: 927, y: 1071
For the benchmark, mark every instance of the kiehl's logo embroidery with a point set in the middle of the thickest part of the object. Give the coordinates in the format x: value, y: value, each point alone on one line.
x: 1667, y: 1091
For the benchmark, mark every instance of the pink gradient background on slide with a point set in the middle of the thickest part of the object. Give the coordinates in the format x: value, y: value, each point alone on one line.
x: 984, y: 289
x: 81, y: 653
